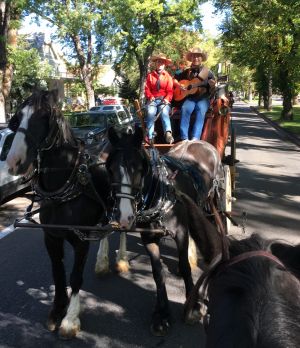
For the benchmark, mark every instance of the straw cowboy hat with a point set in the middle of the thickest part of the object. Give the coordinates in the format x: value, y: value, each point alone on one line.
x: 161, y: 56
x: 196, y: 51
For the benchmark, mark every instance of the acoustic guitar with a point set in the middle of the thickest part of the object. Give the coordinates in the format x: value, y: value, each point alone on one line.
x: 194, y: 86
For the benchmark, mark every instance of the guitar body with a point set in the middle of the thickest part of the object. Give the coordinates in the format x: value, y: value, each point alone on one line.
x: 179, y: 94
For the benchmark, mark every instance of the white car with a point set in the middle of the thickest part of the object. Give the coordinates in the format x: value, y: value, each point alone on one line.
x: 119, y: 114
x: 10, y: 185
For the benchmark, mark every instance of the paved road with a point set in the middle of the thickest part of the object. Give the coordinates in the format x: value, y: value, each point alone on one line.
x: 268, y: 186
x: 116, y: 309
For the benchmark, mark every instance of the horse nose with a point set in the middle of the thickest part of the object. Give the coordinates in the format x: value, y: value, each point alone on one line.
x: 127, y: 222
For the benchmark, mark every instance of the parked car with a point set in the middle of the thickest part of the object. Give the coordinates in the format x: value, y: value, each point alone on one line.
x: 91, y: 126
x: 11, y: 186
x: 119, y: 111
x: 110, y: 101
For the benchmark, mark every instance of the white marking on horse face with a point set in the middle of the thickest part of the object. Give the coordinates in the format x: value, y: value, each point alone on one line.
x: 18, y: 150
x: 125, y: 206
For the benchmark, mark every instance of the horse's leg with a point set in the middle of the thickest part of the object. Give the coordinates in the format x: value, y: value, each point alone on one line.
x: 182, y: 242
x: 70, y: 324
x: 192, y: 253
x: 161, y: 316
x: 102, y: 262
x: 122, y: 264
x: 55, y: 248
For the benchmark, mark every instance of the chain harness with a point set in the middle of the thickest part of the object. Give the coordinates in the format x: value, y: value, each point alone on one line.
x: 79, y: 182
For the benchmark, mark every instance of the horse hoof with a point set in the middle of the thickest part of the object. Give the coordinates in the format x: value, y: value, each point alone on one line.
x: 160, y: 329
x: 54, y: 320
x: 102, y: 271
x: 51, y: 325
x: 122, y: 266
x: 68, y: 330
x: 194, y: 316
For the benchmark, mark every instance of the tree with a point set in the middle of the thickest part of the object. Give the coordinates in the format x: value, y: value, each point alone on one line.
x: 76, y: 23
x: 138, y: 26
x: 10, y: 12
x: 29, y: 72
x: 266, y: 36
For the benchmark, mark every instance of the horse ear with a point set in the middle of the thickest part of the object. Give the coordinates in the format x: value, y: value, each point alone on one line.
x: 113, y: 136
x: 138, y: 136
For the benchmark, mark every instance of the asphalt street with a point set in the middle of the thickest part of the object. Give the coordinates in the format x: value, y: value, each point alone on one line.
x: 116, y: 310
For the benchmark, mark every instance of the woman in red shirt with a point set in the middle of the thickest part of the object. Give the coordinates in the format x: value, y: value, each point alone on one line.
x: 159, y: 93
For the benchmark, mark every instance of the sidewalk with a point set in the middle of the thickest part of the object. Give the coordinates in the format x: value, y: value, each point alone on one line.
x: 294, y: 138
x: 12, y: 210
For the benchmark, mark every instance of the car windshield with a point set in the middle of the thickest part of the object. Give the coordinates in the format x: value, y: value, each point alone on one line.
x: 88, y: 120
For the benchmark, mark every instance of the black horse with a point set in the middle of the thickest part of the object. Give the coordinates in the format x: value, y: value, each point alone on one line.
x: 253, y: 297
x: 72, y: 189
x: 152, y: 192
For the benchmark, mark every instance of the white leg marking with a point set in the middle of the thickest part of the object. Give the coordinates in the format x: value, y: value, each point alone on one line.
x: 122, y: 264
x: 70, y: 325
x: 102, y: 261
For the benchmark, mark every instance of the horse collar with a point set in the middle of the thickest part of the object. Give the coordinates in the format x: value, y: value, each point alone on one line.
x: 166, y: 198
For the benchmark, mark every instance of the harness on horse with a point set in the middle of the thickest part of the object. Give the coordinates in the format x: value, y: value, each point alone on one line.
x: 165, y: 198
x: 79, y: 182
x: 217, y: 266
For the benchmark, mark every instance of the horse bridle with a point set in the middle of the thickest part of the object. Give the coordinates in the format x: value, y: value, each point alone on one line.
x: 217, y: 266
x: 134, y: 197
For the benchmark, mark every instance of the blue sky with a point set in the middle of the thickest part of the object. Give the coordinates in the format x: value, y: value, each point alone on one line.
x: 210, y: 21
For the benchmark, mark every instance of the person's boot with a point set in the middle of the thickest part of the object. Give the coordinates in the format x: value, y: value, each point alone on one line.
x: 169, y: 138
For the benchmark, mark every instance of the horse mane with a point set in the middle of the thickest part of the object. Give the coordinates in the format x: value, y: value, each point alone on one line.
x: 48, y: 101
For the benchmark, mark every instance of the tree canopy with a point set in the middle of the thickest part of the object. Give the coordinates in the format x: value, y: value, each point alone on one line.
x: 265, y: 36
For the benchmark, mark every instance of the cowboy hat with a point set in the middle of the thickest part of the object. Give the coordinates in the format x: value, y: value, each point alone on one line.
x: 196, y: 51
x: 161, y: 56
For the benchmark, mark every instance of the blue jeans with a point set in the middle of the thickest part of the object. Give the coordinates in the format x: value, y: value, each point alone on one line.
x: 200, y: 107
x: 153, y: 108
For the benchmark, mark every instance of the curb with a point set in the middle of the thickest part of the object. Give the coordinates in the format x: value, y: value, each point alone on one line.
x: 291, y: 136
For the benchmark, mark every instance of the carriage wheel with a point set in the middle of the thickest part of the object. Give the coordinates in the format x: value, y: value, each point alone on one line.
x: 226, y: 197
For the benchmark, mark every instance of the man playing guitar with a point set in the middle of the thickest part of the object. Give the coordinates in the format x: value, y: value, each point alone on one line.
x: 194, y: 85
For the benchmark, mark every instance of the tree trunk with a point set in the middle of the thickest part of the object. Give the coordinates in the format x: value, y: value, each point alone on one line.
x: 89, y: 91
x: 8, y: 72
x: 4, y: 22
x: 287, y: 111
x: 265, y: 98
x: 250, y: 98
x: 259, y: 100
x: 143, y: 68
x: 85, y: 68
x: 269, y: 92
x: 2, y: 101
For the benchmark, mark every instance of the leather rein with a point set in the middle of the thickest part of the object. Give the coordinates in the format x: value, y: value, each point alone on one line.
x: 219, y: 265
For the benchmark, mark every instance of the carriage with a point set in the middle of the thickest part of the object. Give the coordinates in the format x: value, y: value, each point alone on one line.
x: 218, y: 130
